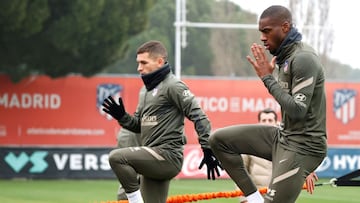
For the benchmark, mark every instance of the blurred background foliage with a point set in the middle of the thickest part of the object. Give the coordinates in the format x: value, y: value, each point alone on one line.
x: 87, y: 37
x: 58, y: 37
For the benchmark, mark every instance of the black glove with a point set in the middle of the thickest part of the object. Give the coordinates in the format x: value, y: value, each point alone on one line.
x: 211, y: 162
x: 117, y: 111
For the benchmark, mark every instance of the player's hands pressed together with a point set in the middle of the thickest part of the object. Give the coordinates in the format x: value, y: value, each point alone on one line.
x: 261, y: 63
x: 117, y: 111
x: 211, y: 162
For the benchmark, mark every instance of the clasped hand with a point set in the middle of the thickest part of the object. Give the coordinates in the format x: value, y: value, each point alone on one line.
x: 211, y: 163
x: 117, y: 111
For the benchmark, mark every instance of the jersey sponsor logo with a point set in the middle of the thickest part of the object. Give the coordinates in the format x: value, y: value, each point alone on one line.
x: 270, y: 194
x: 187, y: 93
x: 149, y: 120
x: 284, y: 85
x: 344, y: 104
x: 300, y: 97
x: 105, y: 90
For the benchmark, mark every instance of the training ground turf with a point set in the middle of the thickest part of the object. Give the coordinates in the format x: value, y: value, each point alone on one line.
x: 97, y: 191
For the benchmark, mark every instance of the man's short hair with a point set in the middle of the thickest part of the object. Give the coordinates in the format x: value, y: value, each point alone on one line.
x: 277, y: 12
x: 154, y: 48
x: 267, y: 110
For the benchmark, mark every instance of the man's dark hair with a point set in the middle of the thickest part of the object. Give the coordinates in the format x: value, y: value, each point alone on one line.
x: 154, y: 48
x: 267, y: 110
x: 278, y: 13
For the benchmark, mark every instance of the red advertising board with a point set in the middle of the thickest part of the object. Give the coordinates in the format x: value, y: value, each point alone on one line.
x: 67, y: 111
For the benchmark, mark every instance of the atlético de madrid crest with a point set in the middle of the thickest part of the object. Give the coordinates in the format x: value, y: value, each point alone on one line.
x: 103, y: 91
x: 345, y: 104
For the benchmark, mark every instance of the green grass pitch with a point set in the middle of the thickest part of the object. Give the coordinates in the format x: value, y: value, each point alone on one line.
x: 97, y: 191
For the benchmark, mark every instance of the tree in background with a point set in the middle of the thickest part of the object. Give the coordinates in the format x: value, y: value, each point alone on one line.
x: 56, y: 38
x: 209, y: 52
x: 196, y: 56
x: 312, y: 17
x: 231, y: 46
x: 160, y: 27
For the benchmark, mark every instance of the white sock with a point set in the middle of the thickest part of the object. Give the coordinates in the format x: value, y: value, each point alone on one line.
x: 135, y: 197
x: 255, y: 197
